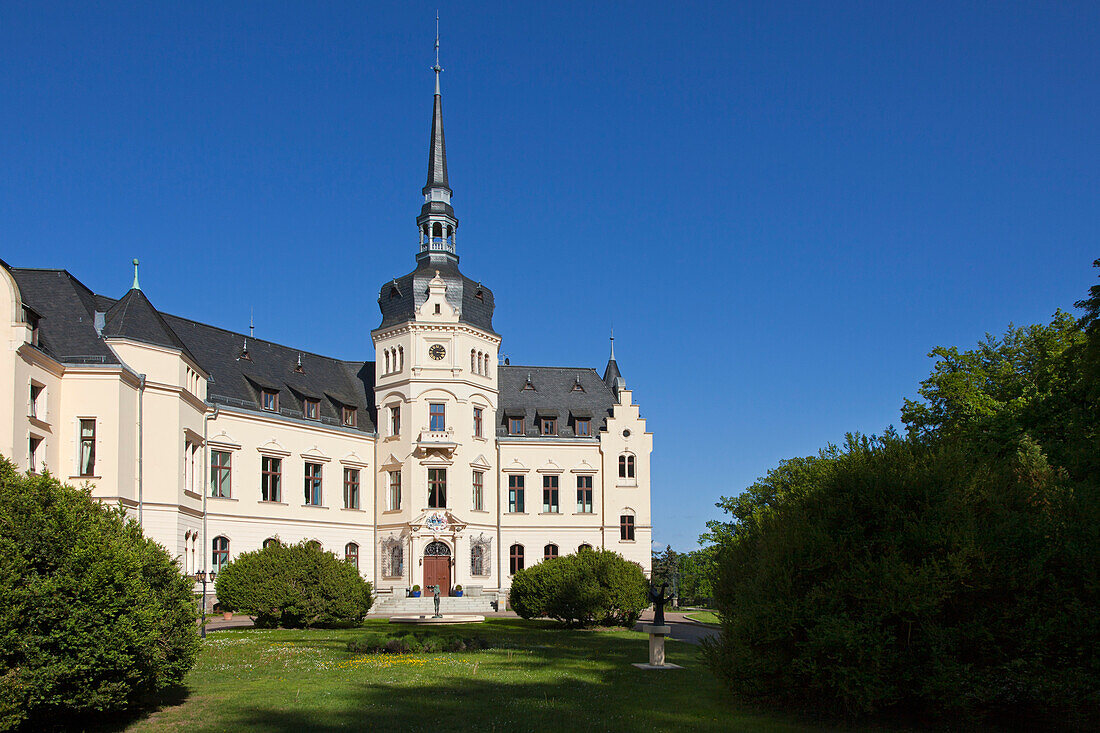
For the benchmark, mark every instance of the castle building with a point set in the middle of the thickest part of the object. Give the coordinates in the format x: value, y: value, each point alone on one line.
x: 430, y: 464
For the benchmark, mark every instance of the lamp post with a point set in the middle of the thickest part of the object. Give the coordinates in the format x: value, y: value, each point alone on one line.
x: 201, y: 577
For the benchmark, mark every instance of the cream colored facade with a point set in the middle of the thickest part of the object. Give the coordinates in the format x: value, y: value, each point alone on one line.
x: 188, y: 460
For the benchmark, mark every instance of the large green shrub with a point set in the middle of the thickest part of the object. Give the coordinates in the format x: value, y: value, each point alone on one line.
x: 592, y: 586
x: 293, y: 586
x: 93, y: 615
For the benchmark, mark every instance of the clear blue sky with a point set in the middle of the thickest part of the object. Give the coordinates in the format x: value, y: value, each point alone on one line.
x: 781, y: 208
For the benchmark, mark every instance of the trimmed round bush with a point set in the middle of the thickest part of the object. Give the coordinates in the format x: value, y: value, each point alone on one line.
x: 94, y: 616
x: 294, y: 586
x: 589, y: 587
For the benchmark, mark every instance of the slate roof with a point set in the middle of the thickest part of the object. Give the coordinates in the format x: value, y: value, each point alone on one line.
x: 437, y: 149
x: 400, y: 299
x: 531, y: 391
x: 237, y: 382
x: 66, y: 331
x: 134, y: 317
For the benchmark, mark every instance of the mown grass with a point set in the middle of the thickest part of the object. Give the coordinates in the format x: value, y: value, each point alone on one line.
x: 539, y: 678
x: 706, y: 617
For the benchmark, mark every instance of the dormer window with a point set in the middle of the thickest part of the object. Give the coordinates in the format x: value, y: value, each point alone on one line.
x: 311, y: 409
x: 583, y: 428
x: 515, y: 426
x: 347, y: 416
x: 32, y: 320
x: 529, y: 385
x: 269, y: 400
x: 577, y: 387
x: 548, y: 426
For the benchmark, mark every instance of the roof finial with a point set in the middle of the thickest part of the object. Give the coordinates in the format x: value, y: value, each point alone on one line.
x: 612, y: 344
x: 251, y: 324
x: 135, y: 286
x: 437, y: 68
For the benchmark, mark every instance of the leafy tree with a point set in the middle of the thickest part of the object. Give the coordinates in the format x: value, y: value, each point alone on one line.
x: 950, y: 571
x: 293, y: 586
x: 94, y: 616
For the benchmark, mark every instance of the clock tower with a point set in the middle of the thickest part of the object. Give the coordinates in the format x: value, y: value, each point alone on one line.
x: 436, y: 395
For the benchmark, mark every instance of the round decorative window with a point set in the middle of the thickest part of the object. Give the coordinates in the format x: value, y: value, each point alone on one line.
x: 626, y: 433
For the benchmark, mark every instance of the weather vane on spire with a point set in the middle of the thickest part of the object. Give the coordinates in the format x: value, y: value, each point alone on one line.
x: 437, y: 68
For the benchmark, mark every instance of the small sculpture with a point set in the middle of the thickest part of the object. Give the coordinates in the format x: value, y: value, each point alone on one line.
x: 435, y: 589
x: 659, y: 600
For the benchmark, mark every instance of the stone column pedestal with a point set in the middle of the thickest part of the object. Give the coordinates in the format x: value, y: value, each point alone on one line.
x: 657, y: 636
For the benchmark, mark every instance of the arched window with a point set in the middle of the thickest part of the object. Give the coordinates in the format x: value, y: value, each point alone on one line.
x: 515, y: 559
x: 437, y: 230
x: 479, y: 555
x: 584, y: 547
x: 351, y: 554
x: 473, y: 363
x: 550, y: 551
x: 400, y: 358
x: 387, y: 371
x: 626, y: 466
x: 393, y: 558
x: 314, y: 545
x: 221, y: 552
x: 271, y: 542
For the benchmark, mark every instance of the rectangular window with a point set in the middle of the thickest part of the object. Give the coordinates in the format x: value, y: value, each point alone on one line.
x: 32, y: 458
x: 583, y: 428
x: 395, y: 490
x: 477, y: 423
x: 36, y: 395
x: 437, y: 417
x: 584, y: 494
x: 313, y: 484
x: 437, y: 488
x: 219, y: 473
x: 269, y: 400
x: 311, y: 409
x: 515, y: 493
x: 479, y: 490
x: 271, y: 479
x: 87, y: 447
x: 515, y: 426
x: 347, y: 416
x: 550, y: 494
x: 515, y: 559
x: 548, y: 426
x: 626, y: 527
x: 395, y: 420
x: 351, y: 488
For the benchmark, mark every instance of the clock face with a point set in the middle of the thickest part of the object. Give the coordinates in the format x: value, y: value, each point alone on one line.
x: 437, y: 352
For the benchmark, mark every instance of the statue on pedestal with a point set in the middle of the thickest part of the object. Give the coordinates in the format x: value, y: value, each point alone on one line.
x: 435, y: 589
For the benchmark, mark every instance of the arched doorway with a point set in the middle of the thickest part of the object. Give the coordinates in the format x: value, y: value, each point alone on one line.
x: 437, y: 568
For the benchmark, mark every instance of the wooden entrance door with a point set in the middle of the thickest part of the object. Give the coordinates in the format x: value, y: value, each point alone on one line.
x: 437, y: 571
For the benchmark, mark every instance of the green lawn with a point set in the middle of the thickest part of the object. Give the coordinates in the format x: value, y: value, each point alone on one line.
x: 706, y: 617
x: 543, y: 679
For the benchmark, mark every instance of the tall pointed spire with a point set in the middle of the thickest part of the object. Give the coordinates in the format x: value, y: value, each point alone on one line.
x: 437, y: 151
x: 437, y: 222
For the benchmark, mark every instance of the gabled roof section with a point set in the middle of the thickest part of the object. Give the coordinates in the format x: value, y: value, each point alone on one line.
x: 67, y: 309
x: 554, y: 395
x: 134, y: 317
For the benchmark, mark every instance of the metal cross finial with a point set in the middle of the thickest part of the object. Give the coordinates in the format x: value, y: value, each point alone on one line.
x: 437, y: 68
x: 135, y: 286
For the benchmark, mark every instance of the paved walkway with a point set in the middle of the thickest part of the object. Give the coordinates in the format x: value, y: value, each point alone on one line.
x: 683, y: 629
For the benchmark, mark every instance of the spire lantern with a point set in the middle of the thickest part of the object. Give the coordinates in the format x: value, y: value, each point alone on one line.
x: 437, y: 222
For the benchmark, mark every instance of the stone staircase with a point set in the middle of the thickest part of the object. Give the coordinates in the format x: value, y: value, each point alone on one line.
x: 390, y: 605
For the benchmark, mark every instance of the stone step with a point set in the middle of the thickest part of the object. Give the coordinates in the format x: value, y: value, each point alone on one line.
x: 447, y: 604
